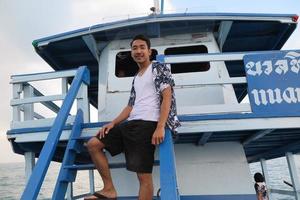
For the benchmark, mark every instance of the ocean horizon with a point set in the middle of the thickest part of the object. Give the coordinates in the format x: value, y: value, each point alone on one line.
x: 12, y: 179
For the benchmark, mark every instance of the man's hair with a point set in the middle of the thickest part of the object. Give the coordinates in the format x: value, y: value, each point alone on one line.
x: 141, y: 37
x: 258, y: 177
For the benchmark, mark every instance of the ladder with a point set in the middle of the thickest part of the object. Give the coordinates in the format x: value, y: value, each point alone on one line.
x: 68, y: 171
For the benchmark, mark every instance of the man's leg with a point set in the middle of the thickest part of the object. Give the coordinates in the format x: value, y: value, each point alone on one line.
x: 95, y: 148
x: 146, y: 186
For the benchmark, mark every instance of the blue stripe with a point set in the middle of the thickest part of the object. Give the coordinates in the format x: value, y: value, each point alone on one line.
x: 47, y: 128
x: 182, y: 118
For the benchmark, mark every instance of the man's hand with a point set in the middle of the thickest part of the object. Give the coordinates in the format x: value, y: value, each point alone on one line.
x: 158, y: 136
x: 105, y: 130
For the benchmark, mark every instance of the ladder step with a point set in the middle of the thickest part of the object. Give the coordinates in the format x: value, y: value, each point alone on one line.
x: 76, y: 146
x: 92, y: 166
x: 68, y: 176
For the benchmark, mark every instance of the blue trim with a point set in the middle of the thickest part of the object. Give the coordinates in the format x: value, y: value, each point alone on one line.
x: 35, y: 182
x: 121, y: 22
x: 182, y: 118
x: 67, y: 175
x: 47, y: 128
x: 168, y: 179
x: 160, y: 58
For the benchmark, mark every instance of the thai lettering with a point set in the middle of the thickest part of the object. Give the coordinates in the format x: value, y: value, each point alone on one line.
x: 281, y: 67
x: 272, y: 96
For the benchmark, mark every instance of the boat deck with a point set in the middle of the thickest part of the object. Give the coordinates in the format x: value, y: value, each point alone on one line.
x: 269, y: 138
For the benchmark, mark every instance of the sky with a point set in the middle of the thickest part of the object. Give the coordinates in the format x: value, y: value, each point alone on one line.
x: 21, y: 22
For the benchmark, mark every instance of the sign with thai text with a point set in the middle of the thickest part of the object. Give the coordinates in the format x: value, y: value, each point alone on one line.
x: 274, y: 82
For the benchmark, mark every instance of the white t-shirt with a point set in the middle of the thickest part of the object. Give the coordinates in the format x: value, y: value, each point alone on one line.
x: 146, y: 106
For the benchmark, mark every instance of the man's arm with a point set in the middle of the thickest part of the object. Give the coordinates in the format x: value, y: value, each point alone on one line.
x: 159, y: 133
x: 121, y: 117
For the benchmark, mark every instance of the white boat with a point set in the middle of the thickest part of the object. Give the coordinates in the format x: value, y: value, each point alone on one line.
x: 217, y: 60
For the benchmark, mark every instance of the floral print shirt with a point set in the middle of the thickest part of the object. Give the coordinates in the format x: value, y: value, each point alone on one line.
x: 162, y: 78
x: 261, y: 189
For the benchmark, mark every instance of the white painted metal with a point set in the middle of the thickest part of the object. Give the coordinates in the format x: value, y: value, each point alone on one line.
x: 204, y: 58
x: 38, y: 123
x: 28, y: 108
x: 17, y: 90
x: 64, y: 85
x: 103, y: 81
x: 37, y: 99
x: 206, y: 170
x: 69, y: 193
x: 83, y: 102
x: 201, y: 170
x: 28, y: 115
x: 42, y: 76
x: 232, y: 80
x: 29, y: 164
x: 294, y: 174
x: 215, y: 109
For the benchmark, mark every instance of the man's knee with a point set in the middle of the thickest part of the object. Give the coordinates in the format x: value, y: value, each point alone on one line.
x: 145, y: 178
x: 94, y: 145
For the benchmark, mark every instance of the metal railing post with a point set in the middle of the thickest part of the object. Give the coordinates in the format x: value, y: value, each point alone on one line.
x: 293, y: 173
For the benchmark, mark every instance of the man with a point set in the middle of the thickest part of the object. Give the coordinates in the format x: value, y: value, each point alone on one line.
x: 151, y: 106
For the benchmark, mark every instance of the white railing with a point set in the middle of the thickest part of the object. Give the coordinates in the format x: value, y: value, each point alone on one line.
x: 226, y: 107
x: 25, y: 96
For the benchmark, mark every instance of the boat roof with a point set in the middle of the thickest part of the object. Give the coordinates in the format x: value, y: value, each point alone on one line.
x: 234, y: 32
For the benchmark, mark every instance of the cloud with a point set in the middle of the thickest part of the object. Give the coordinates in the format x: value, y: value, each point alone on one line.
x: 24, y: 21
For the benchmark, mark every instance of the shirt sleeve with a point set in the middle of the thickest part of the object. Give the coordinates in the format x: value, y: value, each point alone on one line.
x: 132, y: 96
x: 166, y: 78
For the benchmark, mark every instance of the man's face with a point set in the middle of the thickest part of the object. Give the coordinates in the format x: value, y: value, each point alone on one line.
x: 140, y: 51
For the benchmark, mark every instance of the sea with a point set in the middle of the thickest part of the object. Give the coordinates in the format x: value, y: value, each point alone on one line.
x: 12, y: 179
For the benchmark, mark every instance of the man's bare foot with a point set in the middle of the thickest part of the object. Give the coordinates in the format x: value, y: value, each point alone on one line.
x: 109, y: 194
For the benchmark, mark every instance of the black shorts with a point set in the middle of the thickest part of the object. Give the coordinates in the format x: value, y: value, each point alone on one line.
x: 134, y: 139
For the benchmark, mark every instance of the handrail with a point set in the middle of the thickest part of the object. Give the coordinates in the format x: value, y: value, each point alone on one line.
x: 207, y: 57
x: 42, y: 76
x: 36, y: 99
x: 168, y: 178
x: 35, y: 182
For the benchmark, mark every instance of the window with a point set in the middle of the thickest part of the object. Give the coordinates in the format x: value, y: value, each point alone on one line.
x: 125, y: 65
x: 188, y: 67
